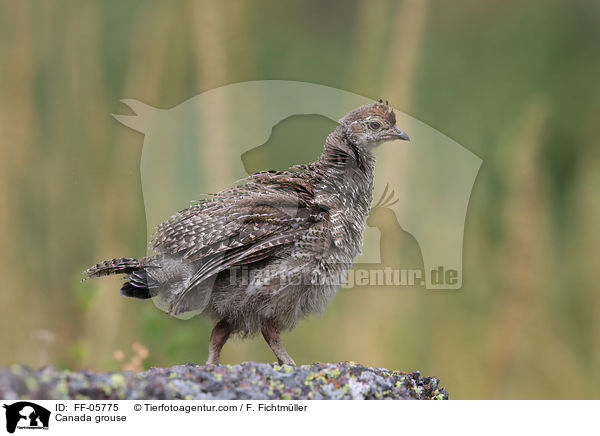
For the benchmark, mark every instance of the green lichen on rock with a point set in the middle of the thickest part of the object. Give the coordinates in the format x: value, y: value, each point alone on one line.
x: 248, y: 380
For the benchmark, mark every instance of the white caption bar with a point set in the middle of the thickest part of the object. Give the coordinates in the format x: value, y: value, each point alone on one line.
x: 298, y: 417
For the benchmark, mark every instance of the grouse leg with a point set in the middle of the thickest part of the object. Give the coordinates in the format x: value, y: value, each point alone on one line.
x: 218, y: 337
x: 271, y: 335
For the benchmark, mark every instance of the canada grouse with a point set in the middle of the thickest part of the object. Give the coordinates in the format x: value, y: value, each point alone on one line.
x: 274, y: 248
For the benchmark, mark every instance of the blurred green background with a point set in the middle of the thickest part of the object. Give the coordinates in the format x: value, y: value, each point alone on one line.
x: 514, y: 82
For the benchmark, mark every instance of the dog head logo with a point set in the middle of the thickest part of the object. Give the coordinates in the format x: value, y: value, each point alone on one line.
x: 26, y: 415
x: 188, y: 151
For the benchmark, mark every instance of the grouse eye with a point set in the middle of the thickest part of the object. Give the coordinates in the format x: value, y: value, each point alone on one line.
x: 374, y: 125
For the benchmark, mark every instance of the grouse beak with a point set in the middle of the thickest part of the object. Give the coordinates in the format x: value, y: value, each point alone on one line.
x: 396, y: 133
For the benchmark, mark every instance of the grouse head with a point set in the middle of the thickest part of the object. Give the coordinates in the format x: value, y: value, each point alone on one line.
x: 372, y: 124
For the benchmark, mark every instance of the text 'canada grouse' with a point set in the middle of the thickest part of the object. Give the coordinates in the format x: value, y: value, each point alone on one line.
x: 260, y: 256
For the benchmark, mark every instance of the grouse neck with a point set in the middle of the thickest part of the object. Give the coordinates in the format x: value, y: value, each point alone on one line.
x: 341, y: 157
x: 344, y: 175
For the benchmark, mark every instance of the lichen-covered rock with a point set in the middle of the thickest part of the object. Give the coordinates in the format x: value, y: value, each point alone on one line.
x: 246, y: 381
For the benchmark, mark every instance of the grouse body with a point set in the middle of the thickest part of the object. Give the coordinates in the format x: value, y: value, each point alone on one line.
x: 262, y: 255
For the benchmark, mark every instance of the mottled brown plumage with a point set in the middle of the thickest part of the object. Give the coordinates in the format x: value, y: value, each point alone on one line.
x: 260, y: 256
